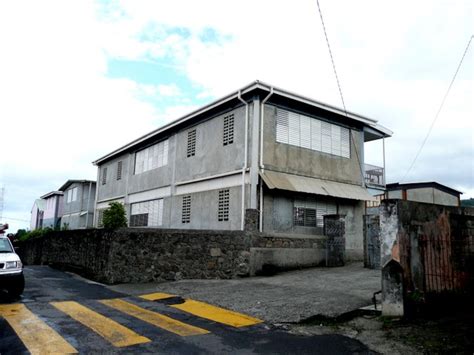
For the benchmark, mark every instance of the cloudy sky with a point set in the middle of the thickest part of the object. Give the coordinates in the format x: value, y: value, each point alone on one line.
x: 79, y: 78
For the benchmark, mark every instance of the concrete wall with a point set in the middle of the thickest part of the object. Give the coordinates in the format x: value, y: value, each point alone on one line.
x: 212, y: 157
x: 291, y: 159
x: 278, y: 219
x: 432, y: 246
x: 145, y: 255
x: 204, y: 210
x: 114, y: 188
x: 426, y: 195
x: 172, y: 181
x: 395, y: 194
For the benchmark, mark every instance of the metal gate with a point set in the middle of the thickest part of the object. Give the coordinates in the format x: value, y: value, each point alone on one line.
x: 372, y: 241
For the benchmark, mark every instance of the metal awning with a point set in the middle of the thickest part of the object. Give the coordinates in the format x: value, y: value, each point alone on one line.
x: 297, y: 183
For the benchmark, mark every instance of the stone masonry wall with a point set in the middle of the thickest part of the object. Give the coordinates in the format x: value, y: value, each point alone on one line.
x: 146, y: 255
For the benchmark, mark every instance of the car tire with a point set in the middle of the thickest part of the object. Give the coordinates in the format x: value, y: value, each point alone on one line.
x: 16, y: 289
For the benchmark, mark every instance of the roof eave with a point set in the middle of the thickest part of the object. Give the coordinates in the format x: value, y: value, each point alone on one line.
x: 252, y: 86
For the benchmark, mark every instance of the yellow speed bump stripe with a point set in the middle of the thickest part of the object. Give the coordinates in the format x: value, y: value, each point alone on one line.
x: 156, y: 296
x: 112, y: 331
x: 154, y: 318
x: 35, y: 334
x: 210, y: 312
x: 217, y: 314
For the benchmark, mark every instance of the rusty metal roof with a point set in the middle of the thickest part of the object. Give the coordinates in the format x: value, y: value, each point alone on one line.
x: 298, y: 183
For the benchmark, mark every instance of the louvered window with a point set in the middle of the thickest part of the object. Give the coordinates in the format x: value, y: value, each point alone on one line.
x: 228, y: 137
x: 310, y: 213
x: 119, y: 170
x: 152, y: 157
x: 104, y: 176
x: 147, y: 214
x: 191, y: 150
x: 223, y: 208
x: 311, y: 133
x: 186, y: 210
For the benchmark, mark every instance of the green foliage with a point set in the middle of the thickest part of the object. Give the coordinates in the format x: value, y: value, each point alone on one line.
x: 65, y: 227
x: 114, y: 217
x: 19, y: 234
x: 36, y: 233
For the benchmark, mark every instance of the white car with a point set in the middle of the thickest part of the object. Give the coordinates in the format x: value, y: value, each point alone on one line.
x: 11, y: 269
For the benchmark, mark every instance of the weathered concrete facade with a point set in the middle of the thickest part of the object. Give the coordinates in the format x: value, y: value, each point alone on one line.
x: 427, y: 192
x: 426, y: 254
x: 78, y: 204
x: 204, y: 170
x: 53, y: 209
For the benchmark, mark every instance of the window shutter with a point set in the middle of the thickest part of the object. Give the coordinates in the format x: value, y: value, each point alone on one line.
x: 228, y: 135
x: 186, y: 209
x: 191, y: 149
x: 282, y: 126
x: 316, y: 135
x: 326, y: 137
x: 345, y: 143
x: 336, y: 140
x: 294, y: 128
x: 305, y: 132
x: 223, y: 206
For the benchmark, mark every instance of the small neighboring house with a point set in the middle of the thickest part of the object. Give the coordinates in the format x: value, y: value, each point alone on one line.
x: 259, y: 151
x: 427, y: 192
x: 53, y: 209
x: 78, y: 204
x: 37, y: 212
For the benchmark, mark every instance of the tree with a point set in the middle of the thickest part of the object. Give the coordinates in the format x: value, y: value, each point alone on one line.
x: 114, y: 217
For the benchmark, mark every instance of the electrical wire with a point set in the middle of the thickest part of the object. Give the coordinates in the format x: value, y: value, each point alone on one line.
x: 15, y: 219
x: 339, y: 87
x: 439, y: 110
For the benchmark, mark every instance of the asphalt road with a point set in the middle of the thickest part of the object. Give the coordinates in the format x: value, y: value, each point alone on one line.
x: 62, y: 313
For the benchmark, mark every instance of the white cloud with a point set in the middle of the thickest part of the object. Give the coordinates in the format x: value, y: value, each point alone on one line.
x: 169, y: 90
x: 60, y: 111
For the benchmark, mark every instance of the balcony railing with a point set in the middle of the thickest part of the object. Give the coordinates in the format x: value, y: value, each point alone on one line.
x: 374, y: 175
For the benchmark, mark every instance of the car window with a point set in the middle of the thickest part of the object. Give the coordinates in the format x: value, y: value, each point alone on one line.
x: 5, y: 246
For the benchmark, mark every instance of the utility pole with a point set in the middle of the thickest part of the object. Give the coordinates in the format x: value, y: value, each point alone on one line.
x: 2, y: 193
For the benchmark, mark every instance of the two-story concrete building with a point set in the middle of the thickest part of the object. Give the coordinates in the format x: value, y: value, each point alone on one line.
x: 78, y: 204
x: 53, y: 209
x: 291, y: 158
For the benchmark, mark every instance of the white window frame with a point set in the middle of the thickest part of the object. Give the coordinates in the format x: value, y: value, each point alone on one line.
x: 154, y: 210
x: 311, y: 133
x: 152, y: 157
x: 71, y: 195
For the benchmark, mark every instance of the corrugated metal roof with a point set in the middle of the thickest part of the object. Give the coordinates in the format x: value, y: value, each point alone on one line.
x: 297, y: 183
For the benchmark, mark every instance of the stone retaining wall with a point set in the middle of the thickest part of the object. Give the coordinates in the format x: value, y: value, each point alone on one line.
x: 146, y: 255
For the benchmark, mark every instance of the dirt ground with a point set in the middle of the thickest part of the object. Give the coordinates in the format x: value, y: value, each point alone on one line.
x: 447, y: 335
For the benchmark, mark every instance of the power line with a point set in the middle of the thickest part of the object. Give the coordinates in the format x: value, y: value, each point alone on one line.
x: 439, y: 110
x: 339, y: 85
x: 15, y: 219
x: 332, y: 59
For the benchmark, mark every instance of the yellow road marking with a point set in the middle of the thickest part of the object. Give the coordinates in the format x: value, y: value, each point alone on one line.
x: 217, y: 314
x: 208, y: 311
x: 156, y: 296
x: 115, y: 333
x: 155, y: 318
x: 35, y: 334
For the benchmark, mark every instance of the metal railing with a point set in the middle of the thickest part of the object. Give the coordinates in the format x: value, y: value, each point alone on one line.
x: 374, y: 175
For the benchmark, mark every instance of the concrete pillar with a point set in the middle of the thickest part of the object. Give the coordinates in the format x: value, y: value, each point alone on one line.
x: 251, y: 220
x: 334, y: 230
x: 392, y: 290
